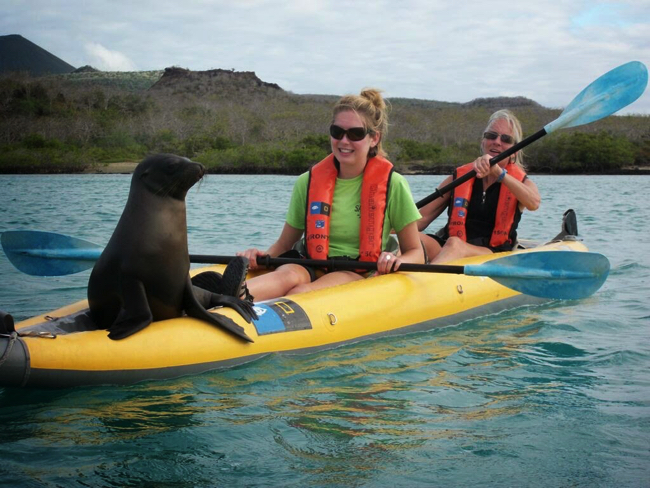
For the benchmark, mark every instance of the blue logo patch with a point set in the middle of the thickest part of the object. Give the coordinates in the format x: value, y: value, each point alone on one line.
x: 319, y: 208
x: 461, y: 202
x: 461, y: 213
x: 281, y: 315
x: 320, y: 224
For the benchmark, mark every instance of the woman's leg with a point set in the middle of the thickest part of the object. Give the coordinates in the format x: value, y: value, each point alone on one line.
x: 325, y: 281
x: 456, y: 248
x: 278, y: 283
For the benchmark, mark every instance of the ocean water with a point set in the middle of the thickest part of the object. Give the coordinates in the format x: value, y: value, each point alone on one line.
x: 551, y: 395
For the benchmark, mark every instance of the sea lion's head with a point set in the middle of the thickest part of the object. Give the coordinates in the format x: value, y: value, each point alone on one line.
x: 167, y: 175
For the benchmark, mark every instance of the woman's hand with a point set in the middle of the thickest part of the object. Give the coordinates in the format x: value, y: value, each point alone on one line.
x: 483, y: 168
x: 526, y: 193
x: 388, y: 263
x: 252, y: 255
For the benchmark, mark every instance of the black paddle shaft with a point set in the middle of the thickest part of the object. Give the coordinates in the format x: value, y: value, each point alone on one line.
x: 348, y: 265
x: 330, y: 264
x: 459, y: 181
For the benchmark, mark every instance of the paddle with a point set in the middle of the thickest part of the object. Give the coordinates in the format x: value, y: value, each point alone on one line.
x: 608, y: 94
x: 547, y: 274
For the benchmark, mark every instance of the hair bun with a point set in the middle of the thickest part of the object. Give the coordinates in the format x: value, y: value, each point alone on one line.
x: 373, y: 95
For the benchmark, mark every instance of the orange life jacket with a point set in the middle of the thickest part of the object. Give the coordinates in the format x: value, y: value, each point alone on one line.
x: 374, y: 195
x: 506, y: 206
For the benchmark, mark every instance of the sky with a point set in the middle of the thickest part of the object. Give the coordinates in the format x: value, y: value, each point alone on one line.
x: 452, y: 51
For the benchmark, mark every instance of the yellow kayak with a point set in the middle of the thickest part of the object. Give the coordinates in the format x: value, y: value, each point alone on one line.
x: 56, y: 350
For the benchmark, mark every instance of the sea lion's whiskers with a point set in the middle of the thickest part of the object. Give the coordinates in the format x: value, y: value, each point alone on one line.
x: 198, y: 187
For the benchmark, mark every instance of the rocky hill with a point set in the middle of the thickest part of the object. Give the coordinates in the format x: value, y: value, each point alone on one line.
x: 496, y: 103
x: 17, y: 54
x: 179, y: 80
x: 86, y: 69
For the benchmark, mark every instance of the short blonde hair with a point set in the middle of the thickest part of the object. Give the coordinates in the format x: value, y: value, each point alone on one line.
x: 515, y: 126
x: 372, y: 109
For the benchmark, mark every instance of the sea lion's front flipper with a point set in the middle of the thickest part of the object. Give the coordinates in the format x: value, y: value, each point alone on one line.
x: 195, y: 309
x: 135, y: 314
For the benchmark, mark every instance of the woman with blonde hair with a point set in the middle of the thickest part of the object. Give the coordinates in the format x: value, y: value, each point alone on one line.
x: 344, y: 207
x: 485, y: 210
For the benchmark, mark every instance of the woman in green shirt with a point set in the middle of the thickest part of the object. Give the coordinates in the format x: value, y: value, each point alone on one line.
x: 332, y: 225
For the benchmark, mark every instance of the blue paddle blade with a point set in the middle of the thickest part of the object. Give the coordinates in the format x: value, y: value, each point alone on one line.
x: 40, y: 253
x: 553, y: 274
x: 611, y: 92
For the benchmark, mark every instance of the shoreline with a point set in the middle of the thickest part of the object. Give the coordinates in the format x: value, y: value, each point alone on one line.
x: 127, y: 167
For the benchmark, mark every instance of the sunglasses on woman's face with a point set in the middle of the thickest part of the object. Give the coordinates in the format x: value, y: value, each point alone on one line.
x: 505, y: 138
x: 354, y: 133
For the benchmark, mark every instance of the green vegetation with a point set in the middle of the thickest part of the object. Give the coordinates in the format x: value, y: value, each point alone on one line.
x: 584, y: 153
x: 66, y: 123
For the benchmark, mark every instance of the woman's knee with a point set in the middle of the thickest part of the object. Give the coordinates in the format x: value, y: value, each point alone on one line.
x: 454, y: 243
x: 293, y: 275
x: 458, y: 248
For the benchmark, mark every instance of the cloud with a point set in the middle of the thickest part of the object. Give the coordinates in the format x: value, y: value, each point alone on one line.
x: 107, y: 60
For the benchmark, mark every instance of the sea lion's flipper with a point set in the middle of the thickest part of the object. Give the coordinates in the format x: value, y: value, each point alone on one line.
x: 208, y: 299
x: 135, y: 314
x: 245, y: 308
x: 194, y: 308
x: 222, y: 294
x: 209, y: 280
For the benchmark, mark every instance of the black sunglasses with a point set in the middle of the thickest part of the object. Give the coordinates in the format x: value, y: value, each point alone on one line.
x: 353, y: 133
x: 505, y: 138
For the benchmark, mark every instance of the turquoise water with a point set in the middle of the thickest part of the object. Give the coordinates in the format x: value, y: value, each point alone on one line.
x: 551, y: 395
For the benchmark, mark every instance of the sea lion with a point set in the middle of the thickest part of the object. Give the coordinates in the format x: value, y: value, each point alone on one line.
x: 143, y: 273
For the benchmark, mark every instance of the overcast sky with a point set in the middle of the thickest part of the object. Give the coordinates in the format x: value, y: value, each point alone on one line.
x: 444, y: 50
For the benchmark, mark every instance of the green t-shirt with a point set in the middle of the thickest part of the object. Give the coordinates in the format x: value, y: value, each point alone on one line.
x: 345, y: 217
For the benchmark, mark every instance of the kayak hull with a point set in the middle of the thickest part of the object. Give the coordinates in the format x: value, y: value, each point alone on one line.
x: 55, y: 351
